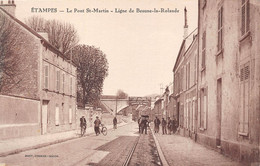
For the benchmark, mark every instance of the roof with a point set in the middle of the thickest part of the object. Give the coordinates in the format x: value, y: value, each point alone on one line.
x: 182, y: 47
x: 43, y: 40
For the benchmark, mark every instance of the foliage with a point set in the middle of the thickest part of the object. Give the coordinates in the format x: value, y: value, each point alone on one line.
x: 61, y: 35
x: 10, y: 49
x: 121, y: 94
x: 92, y: 68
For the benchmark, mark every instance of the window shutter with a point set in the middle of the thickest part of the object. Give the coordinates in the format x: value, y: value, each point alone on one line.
x: 247, y: 15
x: 205, y: 112
x: 46, y: 76
x: 241, y: 109
x: 199, y: 113
x: 57, y: 115
x: 243, y: 19
x: 70, y: 115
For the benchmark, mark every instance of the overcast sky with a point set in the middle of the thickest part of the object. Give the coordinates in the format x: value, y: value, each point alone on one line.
x: 141, y: 48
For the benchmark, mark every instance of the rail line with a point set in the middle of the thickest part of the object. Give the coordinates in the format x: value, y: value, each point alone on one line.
x: 129, y: 156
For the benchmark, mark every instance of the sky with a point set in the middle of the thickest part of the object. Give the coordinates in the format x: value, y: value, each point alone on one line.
x: 141, y: 48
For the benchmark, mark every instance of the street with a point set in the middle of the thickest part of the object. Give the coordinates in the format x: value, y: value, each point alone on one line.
x: 112, y: 149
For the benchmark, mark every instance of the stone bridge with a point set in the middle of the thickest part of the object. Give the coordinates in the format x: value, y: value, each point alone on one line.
x: 114, y: 105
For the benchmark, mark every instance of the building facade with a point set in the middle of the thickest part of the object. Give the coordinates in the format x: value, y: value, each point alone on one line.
x: 44, y: 100
x: 185, y: 86
x: 228, y: 77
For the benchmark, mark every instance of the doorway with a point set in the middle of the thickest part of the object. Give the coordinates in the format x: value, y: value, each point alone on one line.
x: 219, y: 111
x: 44, y: 120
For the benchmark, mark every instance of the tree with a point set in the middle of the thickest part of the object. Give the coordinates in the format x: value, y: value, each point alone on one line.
x: 10, y: 49
x: 61, y: 35
x: 121, y: 94
x: 92, y: 68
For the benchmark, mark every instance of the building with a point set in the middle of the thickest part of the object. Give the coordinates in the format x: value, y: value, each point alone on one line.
x: 185, y: 83
x: 228, y: 77
x: 44, y: 100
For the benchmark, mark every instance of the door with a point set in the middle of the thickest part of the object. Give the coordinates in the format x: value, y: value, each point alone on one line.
x: 219, y: 111
x: 44, y: 117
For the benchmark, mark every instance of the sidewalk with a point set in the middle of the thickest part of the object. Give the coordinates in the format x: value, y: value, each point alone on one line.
x: 12, y: 146
x: 182, y: 151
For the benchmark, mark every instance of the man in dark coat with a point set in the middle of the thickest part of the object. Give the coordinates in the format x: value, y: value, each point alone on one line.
x: 115, y: 122
x: 164, y: 126
x: 144, y: 124
x: 139, y: 124
x: 83, y: 124
x: 97, y: 123
x: 157, y: 123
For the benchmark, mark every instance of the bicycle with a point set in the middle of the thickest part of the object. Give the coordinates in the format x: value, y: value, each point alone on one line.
x: 103, y: 129
x: 83, y: 130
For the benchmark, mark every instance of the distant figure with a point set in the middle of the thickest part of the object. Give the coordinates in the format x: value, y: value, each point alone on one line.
x: 115, y: 122
x: 83, y: 125
x: 170, y: 125
x: 157, y: 123
x: 97, y: 123
x: 144, y: 124
x: 164, y: 126
x: 139, y: 124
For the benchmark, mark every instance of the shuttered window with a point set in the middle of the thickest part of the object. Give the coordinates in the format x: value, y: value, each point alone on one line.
x: 46, y: 76
x: 58, y: 80
x: 57, y: 115
x: 220, y: 28
x: 70, y: 115
x: 245, y: 17
x: 63, y: 82
x: 203, y: 62
x: 203, y: 108
x: 244, y: 98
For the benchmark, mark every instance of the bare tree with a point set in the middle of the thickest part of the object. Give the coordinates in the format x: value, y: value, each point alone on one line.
x: 121, y: 94
x: 61, y: 35
x: 92, y: 68
x: 10, y: 70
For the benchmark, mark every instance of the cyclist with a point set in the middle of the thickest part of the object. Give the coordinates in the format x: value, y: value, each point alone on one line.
x: 83, y: 125
x: 97, y: 123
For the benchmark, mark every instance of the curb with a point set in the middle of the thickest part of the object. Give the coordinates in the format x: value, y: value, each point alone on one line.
x: 161, y: 155
x: 11, y: 152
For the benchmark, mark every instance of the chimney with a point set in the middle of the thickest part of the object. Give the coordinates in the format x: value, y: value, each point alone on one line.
x: 185, y: 24
x: 9, y: 7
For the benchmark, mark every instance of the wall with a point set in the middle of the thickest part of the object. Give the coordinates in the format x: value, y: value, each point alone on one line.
x: 19, y: 117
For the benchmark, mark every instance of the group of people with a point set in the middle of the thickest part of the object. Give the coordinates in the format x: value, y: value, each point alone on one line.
x: 143, y: 124
x: 97, y: 123
x: 169, y: 125
x: 83, y: 125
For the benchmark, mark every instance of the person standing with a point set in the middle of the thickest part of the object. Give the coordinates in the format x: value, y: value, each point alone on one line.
x: 83, y: 125
x: 97, y: 123
x: 170, y: 125
x: 144, y: 124
x: 139, y: 124
x: 115, y: 122
x: 164, y: 126
x: 157, y: 123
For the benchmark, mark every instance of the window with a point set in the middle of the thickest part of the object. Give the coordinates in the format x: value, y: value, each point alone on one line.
x: 58, y: 80
x: 245, y: 17
x: 244, y: 98
x: 57, y: 115
x: 220, y: 28
x: 46, y: 76
x: 71, y: 85
x: 70, y: 115
x: 63, y: 82
x: 203, y: 62
x: 203, y: 108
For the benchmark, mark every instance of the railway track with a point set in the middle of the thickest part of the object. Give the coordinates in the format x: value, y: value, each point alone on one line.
x: 144, y: 151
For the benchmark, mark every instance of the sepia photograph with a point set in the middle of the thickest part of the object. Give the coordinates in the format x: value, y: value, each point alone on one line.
x: 129, y: 83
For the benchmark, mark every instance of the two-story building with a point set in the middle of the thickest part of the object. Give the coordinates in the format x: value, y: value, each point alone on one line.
x: 43, y: 100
